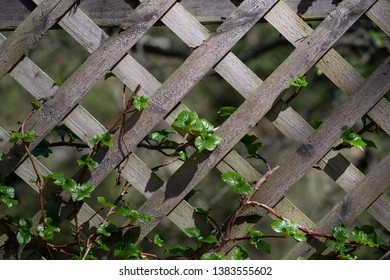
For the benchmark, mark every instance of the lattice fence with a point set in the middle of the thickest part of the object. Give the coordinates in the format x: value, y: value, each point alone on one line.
x: 210, y: 51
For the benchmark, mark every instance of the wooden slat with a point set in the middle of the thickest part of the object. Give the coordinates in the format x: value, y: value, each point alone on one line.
x: 30, y: 31
x: 111, y: 13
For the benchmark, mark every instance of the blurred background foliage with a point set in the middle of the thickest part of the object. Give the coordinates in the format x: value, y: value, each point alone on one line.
x: 364, y: 46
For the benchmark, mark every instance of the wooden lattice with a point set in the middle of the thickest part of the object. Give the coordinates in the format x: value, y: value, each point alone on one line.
x: 210, y: 51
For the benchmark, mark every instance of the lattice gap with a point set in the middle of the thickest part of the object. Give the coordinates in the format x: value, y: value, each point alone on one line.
x: 371, y: 44
x: 58, y: 54
x: 262, y: 43
x: 160, y: 51
x: 315, y: 194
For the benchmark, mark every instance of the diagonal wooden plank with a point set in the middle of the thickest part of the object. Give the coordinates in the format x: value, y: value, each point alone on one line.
x: 111, y: 13
x: 359, y: 199
x: 30, y: 31
x: 85, y: 77
x: 253, y: 109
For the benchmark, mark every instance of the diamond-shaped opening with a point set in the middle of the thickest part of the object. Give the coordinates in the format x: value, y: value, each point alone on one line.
x: 15, y: 103
x: 104, y: 101
x: 212, y: 194
x: 263, y: 49
x: 58, y: 54
x: 315, y: 194
x: 365, y: 46
x: 171, y: 235
x: 160, y: 51
x: 276, y: 147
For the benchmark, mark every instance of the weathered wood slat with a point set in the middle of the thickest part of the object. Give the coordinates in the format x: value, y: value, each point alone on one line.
x: 111, y: 13
x: 352, y: 205
x: 30, y: 31
x: 85, y: 77
x: 254, y: 108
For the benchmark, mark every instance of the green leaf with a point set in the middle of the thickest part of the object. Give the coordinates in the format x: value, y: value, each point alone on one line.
x: 133, y: 215
x: 162, y: 134
x: 29, y: 135
x: 286, y: 227
x: 215, y: 256
x: 43, y: 149
x: 7, y: 195
x: 35, y: 106
x: 193, y: 232
x: 86, y: 160
x: 80, y: 192
x: 48, y: 232
x: 57, y: 83
x: 69, y: 185
x: 298, y: 82
x: 263, y: 246
x: 140, y: 102
x: 181, y: 250
x: 25, y: 223
x: 107, y: 228
x: 239, y: 185
x: 182, y: 155
x: 1, y: 155
x: 185, y: 120
x: 23, y: 237
x: 299, y: 237
x: 316, y: 123
x: 240, y: 253
x: 128, y: 251
x: 103, y: 202
x: 104, y: 139
x: 334, y: 246
x: 353, y: 139
x: 102, y: 245
x: 203, y: 126
x: 26, y: 137
x: 362, y: 238
x: 209, y: 143
x: 340, y: 233
x: 210, y: 239
x: 226, y: 111
x: 157, y: 240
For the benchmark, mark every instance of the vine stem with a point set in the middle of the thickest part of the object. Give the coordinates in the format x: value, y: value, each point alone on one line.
x: 225, y: 238
x: 39, y: 182
x: 278, y: 215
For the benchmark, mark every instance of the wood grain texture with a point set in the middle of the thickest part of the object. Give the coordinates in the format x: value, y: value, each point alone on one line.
x: 111, y: 13
x: 30, y: 31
